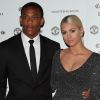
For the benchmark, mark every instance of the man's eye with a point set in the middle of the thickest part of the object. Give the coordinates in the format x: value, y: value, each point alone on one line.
x: 24, y: 17
x: 36, y: 17
x: 33, y: 17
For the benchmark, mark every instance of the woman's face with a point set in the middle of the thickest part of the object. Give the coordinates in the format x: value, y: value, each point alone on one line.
x: 71, y: 33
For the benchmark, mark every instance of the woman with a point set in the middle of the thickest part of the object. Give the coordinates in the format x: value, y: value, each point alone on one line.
x: 76, y: 69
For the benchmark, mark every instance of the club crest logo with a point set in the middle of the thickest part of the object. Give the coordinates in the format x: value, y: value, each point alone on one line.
x: 2, y: 32
x: 55, y: 30
x: 17, y: 31
x: 94, y: 29
x: 98, y: 45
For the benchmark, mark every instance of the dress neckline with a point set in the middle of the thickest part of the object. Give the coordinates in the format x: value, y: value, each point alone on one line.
x: 82, y: 66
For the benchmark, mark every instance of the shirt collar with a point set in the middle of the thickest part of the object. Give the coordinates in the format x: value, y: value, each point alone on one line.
x: 26, y: 38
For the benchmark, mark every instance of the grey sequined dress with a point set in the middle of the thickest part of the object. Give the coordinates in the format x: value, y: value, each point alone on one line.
x: 70, y: 85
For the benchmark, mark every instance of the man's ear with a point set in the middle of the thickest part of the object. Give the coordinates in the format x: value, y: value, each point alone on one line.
x: 20, y: 20
x: 42, y: 22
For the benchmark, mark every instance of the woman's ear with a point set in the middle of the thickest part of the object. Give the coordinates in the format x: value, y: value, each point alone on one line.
x: 82, y: 32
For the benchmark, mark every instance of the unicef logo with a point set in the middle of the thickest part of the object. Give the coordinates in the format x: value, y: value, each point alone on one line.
x: 17, y: 31
x: 55, y: 30
x: 94, y: 29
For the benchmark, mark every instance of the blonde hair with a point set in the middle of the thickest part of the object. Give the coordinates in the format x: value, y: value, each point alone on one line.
x: 73, y: 19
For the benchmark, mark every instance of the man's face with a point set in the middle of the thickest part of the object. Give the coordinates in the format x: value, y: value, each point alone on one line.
x: 31, y: 21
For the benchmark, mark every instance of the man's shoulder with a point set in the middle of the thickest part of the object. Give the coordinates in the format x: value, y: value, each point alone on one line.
x: 10, y: 40
x: 47, y: 40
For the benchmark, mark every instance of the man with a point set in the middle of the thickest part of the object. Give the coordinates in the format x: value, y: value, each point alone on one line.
x: 15, y: 59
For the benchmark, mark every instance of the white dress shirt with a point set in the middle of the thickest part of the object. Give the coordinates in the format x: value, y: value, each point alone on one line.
x: 36, y: 44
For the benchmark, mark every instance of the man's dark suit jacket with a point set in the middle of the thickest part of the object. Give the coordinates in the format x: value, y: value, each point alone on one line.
x: 15, y: 67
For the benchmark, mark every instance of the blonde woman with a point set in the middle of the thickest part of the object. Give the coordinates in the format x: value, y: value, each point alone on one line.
x: 76, y: 69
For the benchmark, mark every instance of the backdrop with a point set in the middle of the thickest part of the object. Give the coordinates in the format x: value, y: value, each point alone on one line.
x: 54, y: 11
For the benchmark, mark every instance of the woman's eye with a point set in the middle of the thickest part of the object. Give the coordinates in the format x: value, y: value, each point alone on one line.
x: 63, y: 33
x: 73, y: 31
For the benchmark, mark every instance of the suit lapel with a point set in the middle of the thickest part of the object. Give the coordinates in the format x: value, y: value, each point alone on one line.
x: 43, y: 54
x: 26, y: 74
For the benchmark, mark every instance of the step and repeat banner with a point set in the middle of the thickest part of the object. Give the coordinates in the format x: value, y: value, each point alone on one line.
x: 54, y: 11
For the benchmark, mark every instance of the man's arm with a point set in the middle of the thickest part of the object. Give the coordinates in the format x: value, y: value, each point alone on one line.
x: 3, y: 76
